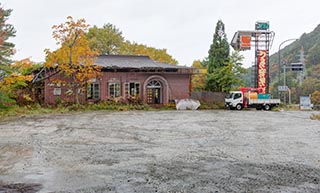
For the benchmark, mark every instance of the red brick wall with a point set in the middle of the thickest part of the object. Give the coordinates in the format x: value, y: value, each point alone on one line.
x: 59, y: 81
x: 179, y: 86
x: 175, y: 86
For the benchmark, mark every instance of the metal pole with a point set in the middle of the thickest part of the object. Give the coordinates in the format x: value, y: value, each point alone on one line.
x: 289, y: 96
x: 284, y: 84
x: 279, y: 58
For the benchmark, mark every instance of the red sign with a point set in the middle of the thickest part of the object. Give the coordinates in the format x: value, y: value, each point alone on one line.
x: 262, y: 71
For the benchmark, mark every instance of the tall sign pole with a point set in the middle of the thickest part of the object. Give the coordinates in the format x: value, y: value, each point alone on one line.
x: 261, y: 39
x: 262, y: 56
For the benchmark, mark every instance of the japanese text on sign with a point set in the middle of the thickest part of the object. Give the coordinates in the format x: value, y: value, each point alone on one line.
x: 262, y: 70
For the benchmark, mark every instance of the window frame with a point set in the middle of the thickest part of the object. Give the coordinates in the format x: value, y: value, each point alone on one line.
x: 237, y: 96
x: 132, y: 89
x: 116, y: 89
x: 93, y: 91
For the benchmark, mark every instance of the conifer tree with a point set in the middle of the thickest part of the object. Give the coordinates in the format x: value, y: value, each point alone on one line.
x: 6, y: 48
x: 218, y: 56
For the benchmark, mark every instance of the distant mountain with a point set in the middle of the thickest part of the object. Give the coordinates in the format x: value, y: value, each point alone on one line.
x: 310, y: 42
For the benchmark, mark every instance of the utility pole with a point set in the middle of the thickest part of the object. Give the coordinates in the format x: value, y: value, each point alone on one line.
x: 279, y: 60
x: 302, y: 74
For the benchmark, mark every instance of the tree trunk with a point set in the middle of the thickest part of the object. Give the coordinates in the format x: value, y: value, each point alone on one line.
x: 75, y: 87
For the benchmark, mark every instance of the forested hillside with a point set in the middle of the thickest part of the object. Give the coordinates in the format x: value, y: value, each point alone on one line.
x: 310, y: 42
x: 301, y: 84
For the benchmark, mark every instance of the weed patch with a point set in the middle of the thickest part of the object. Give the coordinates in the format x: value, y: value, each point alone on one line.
x: 315, y: 117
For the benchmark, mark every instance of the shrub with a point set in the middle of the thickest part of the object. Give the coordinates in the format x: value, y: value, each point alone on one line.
x: 315, y: 117
x: 315, y: 98
x: 208, y: 106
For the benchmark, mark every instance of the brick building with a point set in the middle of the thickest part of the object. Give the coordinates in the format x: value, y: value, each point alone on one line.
x: 125, y: 77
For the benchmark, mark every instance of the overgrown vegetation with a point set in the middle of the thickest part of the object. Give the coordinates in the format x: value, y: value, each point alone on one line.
x: 315, y: 117
x: 211, y: 106
x: 15, y: 110
x: 37, y: 109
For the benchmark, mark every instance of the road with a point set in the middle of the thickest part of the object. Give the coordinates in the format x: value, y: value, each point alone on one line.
x: 161, y: 151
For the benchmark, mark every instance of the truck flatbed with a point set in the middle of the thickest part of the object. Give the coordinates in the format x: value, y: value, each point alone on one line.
x: 264, y: 101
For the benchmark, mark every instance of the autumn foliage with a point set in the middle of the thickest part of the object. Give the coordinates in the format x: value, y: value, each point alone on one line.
x: 74, y: 58
x: 198, y: 80
x: 16, y: 86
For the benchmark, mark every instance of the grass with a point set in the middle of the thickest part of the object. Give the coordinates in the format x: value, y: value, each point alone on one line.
x: 15, y: 110
x: 28, y: 109
x: 210, y: 106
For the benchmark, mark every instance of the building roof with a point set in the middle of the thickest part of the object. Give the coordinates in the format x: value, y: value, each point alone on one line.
x: 132, y: 62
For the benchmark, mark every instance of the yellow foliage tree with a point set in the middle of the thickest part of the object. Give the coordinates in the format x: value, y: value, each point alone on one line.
x: 159, y: 55
x: 198, y: 80
x: 15, y: 85
x: 74, y: 58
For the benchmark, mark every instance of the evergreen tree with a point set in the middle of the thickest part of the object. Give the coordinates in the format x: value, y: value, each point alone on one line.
x: 218, y: 57
x: 6, y: 48
x: 219, y: 49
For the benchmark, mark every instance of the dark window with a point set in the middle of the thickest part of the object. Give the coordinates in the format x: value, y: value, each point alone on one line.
x: 93, y: 91
x: 237, y: 95
x: 133, y: 88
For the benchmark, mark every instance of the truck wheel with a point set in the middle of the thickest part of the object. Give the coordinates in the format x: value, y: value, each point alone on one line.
x: 267, y: 107
x: 239, y: 107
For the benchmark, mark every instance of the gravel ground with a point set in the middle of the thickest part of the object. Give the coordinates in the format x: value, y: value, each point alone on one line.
x: 161, y: 151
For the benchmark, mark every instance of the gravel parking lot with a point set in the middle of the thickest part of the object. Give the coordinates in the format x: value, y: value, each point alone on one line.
x: 161, y: 151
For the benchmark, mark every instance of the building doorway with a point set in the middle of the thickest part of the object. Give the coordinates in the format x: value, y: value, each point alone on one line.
x: 154, y: 92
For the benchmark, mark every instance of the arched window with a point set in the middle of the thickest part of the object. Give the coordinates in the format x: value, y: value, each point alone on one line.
x: 154, y: 92
x: 154, y: 84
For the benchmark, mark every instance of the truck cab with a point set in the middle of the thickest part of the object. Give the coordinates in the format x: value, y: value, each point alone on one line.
x: 234, y: 100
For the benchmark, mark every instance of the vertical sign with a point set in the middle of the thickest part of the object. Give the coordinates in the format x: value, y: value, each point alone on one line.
x: 262, y: 71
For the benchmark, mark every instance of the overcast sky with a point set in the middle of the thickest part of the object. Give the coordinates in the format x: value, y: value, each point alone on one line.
x: 184, y: 27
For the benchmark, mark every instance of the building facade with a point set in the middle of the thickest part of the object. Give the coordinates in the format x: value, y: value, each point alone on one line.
x: 124, y: 78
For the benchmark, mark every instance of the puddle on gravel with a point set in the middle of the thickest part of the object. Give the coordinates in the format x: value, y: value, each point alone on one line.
x: 19, y: 188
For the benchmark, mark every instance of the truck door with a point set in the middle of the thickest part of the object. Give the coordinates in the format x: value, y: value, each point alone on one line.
x: 237, y: 98
x: 238, y: 101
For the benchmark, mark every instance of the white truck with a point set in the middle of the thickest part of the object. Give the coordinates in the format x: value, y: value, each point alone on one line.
x: 249, y: 98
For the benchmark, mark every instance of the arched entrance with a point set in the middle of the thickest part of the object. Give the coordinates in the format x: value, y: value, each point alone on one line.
x: 154, y: 92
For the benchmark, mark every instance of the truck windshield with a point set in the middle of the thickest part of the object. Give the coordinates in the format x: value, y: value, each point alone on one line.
x: 229, y: 96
